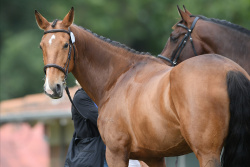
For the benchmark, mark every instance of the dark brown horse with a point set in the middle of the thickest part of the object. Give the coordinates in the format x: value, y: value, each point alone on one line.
x: 148, y: 110
x: 208, y: 36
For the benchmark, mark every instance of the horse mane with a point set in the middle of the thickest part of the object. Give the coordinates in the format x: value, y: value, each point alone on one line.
x: 115, y: 43
x: 225, y: 23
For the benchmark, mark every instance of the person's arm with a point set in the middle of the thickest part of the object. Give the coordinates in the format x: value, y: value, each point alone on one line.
x: 86, y: 106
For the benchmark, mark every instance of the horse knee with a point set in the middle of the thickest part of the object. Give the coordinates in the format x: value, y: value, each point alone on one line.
x: 212, y: 163
x: 116, y: 159
x: 209, y: 161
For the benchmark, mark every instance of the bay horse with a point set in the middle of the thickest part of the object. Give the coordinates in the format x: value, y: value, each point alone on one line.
x: 148, y: 110
x: 207, y: 36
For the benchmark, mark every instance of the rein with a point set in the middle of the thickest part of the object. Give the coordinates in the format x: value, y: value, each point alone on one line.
x: 65, y: 69
x: 178, y: 51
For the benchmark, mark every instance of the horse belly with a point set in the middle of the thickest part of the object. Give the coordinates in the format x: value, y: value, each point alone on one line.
x: 153, y: 135
x: 155, y: 129
x: 141, y: 117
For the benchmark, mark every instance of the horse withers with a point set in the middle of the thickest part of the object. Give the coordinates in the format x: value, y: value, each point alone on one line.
x: 148, y: 110
x: 196, y: 35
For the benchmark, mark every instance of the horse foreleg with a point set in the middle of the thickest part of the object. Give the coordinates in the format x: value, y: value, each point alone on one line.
x: 209, y: 160
x: 117, y: 159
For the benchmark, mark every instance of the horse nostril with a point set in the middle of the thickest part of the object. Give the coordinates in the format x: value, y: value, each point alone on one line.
x: 58, y: 88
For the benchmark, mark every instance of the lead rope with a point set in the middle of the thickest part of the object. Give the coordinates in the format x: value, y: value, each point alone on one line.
x: 67, y: 91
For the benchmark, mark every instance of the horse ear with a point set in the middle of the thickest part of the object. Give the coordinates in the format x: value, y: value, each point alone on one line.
x: 186, y: 11
x: 69, y: 18
x: 41, y: 21
x: 184, y: 16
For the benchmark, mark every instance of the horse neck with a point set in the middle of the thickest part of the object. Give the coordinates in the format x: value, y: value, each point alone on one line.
x: 98, y: 63
x: 224, y: 40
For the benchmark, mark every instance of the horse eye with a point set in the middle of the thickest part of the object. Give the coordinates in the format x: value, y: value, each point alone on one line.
x: 66, y: 45
x: 173, y: 39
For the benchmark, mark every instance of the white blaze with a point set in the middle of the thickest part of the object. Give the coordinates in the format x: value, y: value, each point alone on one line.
x: 46, y: 85
x: 52, y: 37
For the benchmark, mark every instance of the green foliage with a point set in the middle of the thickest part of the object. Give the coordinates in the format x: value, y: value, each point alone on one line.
x: 141, y: 24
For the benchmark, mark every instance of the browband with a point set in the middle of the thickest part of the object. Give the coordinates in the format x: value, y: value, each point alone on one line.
x: 57, y: 30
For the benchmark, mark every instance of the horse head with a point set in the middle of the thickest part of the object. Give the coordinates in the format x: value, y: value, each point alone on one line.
x: 56, y: 44
x: 183, y: 41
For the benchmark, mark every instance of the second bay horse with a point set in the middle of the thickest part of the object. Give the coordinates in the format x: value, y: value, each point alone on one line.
x: 147, y: 110
x: 207, y: 36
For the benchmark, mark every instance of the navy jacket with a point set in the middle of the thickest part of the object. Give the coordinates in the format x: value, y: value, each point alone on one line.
x: 86, y: 148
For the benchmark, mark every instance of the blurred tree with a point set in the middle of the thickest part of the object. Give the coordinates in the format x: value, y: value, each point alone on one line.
x: 141, y: 24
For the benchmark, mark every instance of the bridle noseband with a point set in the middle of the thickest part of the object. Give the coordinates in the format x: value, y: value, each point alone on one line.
x: 176, y: 54
x: 71, y: 43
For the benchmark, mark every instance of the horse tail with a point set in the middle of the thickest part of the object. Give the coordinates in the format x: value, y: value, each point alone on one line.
x: 237, y: 144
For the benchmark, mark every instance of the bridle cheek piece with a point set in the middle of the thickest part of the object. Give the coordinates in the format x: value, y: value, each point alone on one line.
x: 176, y: 54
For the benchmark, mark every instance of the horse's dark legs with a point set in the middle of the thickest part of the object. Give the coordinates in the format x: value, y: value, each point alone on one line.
x: 156, y: 162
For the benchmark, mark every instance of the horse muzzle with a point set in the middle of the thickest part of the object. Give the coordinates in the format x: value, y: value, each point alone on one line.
x: 54, y: 92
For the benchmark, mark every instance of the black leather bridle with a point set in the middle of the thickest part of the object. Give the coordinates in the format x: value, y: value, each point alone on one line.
x: 177, y: 52
x: 71, y: 44
x: 65, y: 69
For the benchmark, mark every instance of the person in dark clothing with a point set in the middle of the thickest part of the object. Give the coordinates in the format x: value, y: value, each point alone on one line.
x: 86, y: 149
